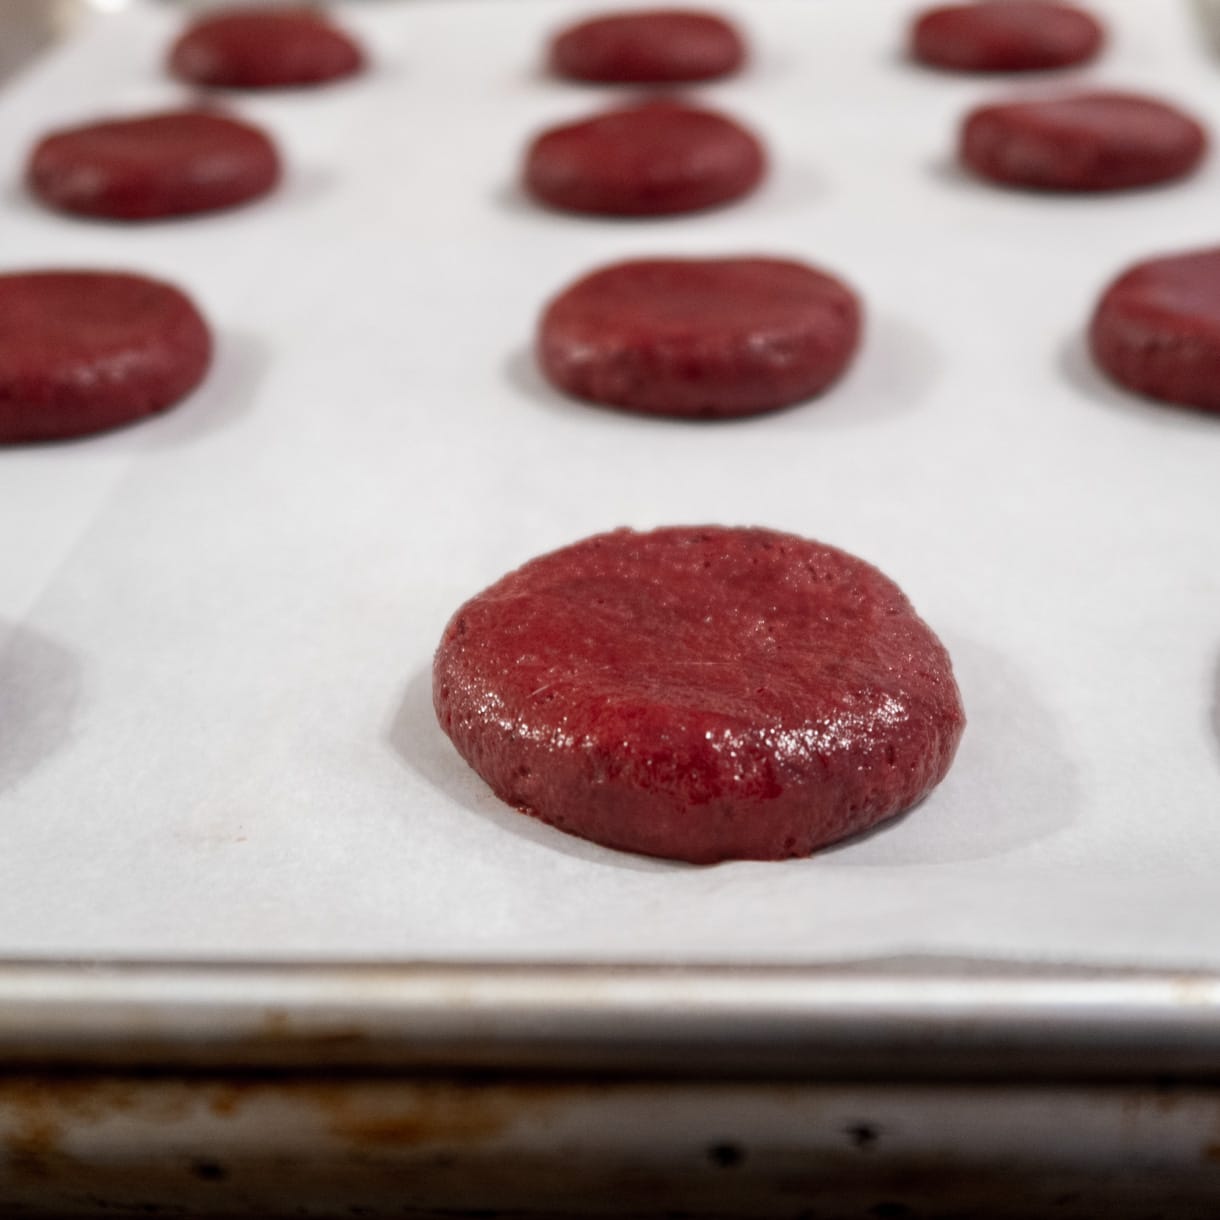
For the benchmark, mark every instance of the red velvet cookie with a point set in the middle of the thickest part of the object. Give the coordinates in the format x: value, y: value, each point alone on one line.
x: 699, y: 337
x: 650, y: 160
x: 700, y: 694
x: 1005, y: 36
x: 82, y: 351
x: 152, y: 167
x: 1082, y: 142
x: 1156, y: 329
x: 264, y: 48
x: 648, y: 46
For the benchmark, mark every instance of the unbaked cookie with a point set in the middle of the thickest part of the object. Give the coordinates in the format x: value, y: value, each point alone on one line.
x: 83, y: 351
x: 1005, y: 36
x: 154, y: 166
x: 1082, y: 142
x: 701, y: 694
x: 264, y: 48
x: 1156, y: 329
x: 700, y: 337
x: 650, y: 160
x: 648, y: 46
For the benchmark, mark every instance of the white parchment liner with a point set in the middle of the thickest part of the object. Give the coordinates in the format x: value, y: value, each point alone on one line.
x: 216, y: 628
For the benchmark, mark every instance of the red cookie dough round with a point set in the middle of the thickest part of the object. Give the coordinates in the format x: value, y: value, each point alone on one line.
x: 648, y: 46
x: 82, y: 351
x: 1082, y: 142
x: 1156, y: 329
x: 152, y: 167
x: 651, y: 160
x: 700, y: 337
x: 700, y: 694
x: 1005, y: 36
x: 264, y: 48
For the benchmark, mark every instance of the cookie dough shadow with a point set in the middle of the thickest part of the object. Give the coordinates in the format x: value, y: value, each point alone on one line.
x: 511, y: 197
x: 949, y: 171
x: 767, y: 63
x: 896, y: 367
x: 40, y: 689
x: 304, y: 185
x: 1078, y: 369
x: 226, y: 394
x: 1215, y: 709
x: 522, y: 372
x: 792, y: 187
x: 388, y: 68
x: 1012, y: 783
x: 419, y: 743
x: 18, y: 199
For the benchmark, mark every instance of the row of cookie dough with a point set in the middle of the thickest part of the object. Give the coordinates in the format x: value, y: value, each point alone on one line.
x: 700, y: 694
x: 719, y: 338
x: 660, y: 158
x: 734, y: 336
x: 665, y: 157
x: 149, y: 167
x: 824, y: 704
x: 706, y: 694
x: 85, y: 351
x: 763, y: 333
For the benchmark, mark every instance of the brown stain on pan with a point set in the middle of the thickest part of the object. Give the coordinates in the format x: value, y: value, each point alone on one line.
x: 31, y: 1145
x: 1211, y: 1154
x: 388, y: 1114
x: 40, y: 1115
x: 441, y: 1113
x: 224, y: 1100
x: 36, y: 1112
x: 277, y: 1027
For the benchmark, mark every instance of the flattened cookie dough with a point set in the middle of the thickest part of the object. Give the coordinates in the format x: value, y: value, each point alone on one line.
x: 1082, y: 142
x: 700, y: 694
x: 655, y: 159
x: 648, y: 46
x: 704, y: 338
x: 1156, y: 329
x: 272, y: 47
x: 153, y: 166
x: 1006, y: 36
x: 83, y: 351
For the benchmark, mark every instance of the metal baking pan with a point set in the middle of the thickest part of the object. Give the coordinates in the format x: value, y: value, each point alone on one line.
x: 306, y: 966
x: 887, y: 1089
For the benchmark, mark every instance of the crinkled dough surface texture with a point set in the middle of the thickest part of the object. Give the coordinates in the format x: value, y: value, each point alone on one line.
x: 700, y: 693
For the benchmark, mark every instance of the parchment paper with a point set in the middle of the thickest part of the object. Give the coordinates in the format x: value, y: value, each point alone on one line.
x: 216, y: 627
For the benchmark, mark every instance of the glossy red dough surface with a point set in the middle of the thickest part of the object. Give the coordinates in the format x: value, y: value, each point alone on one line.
x: 699, y: 337
x: 650, y: 160
x: 264, y: 48
x: 1005, y: 36
x: 1156, y: 329
x: 155, y: 166
x: 651, y: 46
x: 1082, y: 142
x: 700, y: 694
x: 84, y: 351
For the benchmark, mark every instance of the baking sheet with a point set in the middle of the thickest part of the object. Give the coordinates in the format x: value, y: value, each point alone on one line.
x: 216, y: 627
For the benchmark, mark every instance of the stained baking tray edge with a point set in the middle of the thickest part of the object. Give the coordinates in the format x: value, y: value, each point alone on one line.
x: 896, y: 1018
